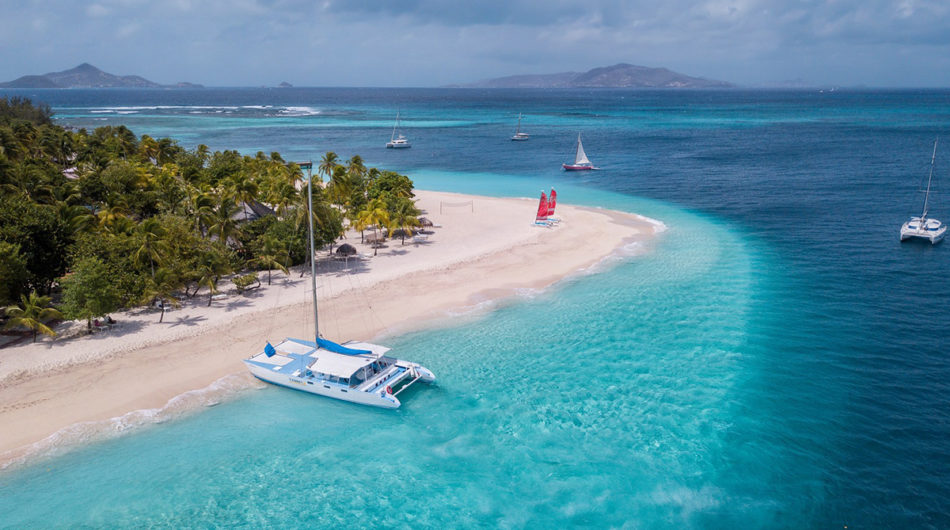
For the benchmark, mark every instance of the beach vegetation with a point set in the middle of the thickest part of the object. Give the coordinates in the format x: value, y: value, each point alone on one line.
x: 33, y: 313
x: 103, y: 219
x: 243, y: 283
x: 88, y: 291
x: 13, y: 272
x: 161, y: 289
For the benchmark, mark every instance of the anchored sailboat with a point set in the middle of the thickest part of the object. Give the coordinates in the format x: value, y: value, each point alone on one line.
x: 397, y: 142
x: 581, y: 163
x: 924, y: 227
x: 359, y: 372
x: 520, y: 136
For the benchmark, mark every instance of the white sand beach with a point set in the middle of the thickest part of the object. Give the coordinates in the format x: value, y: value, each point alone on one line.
x: 481, y: 251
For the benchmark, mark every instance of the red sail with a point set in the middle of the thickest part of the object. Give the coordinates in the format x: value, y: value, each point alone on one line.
x: 553, y: 202
x: 542, y: 208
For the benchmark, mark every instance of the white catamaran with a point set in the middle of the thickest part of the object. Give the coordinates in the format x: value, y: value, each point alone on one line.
x: 520, y: 136
x: 924, y: 227
x: 352, y: 371
x: 397, y: 142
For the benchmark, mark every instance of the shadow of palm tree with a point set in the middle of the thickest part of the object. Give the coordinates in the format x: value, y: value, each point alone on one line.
x: 236, y: 303
x: 187, y: 320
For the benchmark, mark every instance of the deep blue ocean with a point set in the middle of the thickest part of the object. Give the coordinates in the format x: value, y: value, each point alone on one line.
x: 776, y: 359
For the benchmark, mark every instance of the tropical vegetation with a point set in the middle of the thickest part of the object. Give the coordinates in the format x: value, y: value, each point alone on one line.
x: 96, y: 221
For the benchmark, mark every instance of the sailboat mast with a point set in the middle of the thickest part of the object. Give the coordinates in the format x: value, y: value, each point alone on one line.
x: 929, y: 179
x: 519, y: 124
x: 313, y: 265
x: 393, y: 135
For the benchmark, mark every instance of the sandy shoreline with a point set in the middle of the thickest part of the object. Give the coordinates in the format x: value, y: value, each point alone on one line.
x: 486, y: 250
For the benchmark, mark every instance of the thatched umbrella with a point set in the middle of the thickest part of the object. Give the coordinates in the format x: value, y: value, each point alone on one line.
x: 424, y: 221
x: 346, y: 250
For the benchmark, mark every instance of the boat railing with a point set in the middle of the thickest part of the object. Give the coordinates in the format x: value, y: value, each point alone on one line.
x: 381, y: 379
x: 415, y: 377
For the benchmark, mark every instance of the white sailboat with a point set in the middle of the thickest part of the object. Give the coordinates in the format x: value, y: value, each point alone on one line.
x: 358, y: 372
x: 923, y: 227
x: 581, y: 162
x: 520, y: 136
x: 400, y: 141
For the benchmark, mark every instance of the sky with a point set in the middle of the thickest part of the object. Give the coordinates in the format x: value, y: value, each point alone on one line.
x: 403, y: 43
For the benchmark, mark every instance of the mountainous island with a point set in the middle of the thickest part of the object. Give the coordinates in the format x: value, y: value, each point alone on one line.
x: 87, y: 76
x: 617, y: 76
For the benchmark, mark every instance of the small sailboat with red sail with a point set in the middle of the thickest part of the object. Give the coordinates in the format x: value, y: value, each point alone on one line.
x: 542, y: 217
x: 581, y: 162
x: 552, y: 203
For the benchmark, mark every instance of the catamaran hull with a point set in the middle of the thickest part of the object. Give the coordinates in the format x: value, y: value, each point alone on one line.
x: 380, y: 397
x: 570, y: 167
x: 934, y: 236
x: 398, y: 146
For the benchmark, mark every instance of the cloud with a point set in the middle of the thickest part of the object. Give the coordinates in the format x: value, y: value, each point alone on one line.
x: 432, y: 42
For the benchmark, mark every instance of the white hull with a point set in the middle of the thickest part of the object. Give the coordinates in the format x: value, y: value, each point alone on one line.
x: 296, y: 365
x: 931, y: 232
x: 398, y: 145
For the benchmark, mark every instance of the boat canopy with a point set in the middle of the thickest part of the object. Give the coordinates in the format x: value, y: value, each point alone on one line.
x: 340, y: 365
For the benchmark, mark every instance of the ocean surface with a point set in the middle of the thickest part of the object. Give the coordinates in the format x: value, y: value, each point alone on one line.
x: 777, y: 358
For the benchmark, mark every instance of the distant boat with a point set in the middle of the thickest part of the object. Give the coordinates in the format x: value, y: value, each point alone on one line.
x: 520, y: 136
x: 400, y: 141
x: 358, y: 372
x: 581, y: 163
x: 923, y: 227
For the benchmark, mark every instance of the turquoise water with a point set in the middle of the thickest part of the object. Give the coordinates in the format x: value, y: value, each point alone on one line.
x: 750, y: 368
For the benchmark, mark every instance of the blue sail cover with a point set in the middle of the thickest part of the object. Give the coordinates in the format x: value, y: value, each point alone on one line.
x: 269, y: 350
x: 336, y: 348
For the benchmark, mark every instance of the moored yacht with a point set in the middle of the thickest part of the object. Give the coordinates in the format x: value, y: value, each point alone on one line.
x: 923, y: 227
x: 581, y: 162
x: 520, y: 136
x: 397, y: 141
x: 358, y: 372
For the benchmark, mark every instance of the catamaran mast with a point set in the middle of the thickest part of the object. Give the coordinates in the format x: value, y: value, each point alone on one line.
x: 393, y: 135
x: 313, y: 265
x: 929, y: 179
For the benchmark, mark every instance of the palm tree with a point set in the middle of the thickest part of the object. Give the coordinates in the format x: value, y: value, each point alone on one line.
x: 153, y: 247
x: 328, y: 163
x: 243, y: 189
x: 212, y: 266
x: 32, y: 313
x: 162, y: 286
x: 374, y: 214
x: 404, y: 217
x: 223, y: 225
x: 272, y: 256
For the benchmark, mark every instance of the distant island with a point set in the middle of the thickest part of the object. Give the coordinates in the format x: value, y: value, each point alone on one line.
x: 88, y: 76
x: 617, y: 76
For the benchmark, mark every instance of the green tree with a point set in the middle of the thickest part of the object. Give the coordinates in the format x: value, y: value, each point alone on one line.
x: 89, y: 292
x: 328, y: 164
x: 404, y: 216
x: 150, y: 234
x: 162, y: 286
x: 375, y: 215
x: 272, y: 256
x: 212, y: 265
x: 13, y: 272
x: 32, y: 313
